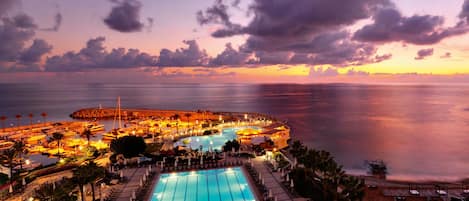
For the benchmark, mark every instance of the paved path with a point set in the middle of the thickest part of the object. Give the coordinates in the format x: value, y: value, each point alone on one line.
x: 272, y: 180
x: 133, y: 175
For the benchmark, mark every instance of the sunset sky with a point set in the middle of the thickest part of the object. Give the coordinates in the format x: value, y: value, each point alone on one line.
x: 234, y: 41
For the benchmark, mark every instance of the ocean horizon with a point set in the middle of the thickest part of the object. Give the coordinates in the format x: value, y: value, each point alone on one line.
x: 420, y: 131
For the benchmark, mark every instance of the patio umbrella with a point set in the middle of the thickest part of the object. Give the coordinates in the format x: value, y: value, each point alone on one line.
x: 292, y: 184
x: 288, y: 178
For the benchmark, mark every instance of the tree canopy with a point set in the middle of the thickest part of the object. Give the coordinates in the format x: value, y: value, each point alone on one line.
x: 229, y: 145
x: 321, y: 178
x: 129, y: 146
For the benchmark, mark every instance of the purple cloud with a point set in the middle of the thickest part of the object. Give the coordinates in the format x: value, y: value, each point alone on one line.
x: 14, y: 33
x: 57, y: 23
x: 280, y: 18
x: 231, y: 57
x: 384, y: 57
x: 423, y: 53
x: 390, y: 26
x: 95, y: 56
x: 34, y: 53
x: 190, y: 56
x: 300, y: 33
x: 125, y: 16
x: 446, y: 55
x: 322, y: 72
x: 464, y: 14
x: 15, y: 56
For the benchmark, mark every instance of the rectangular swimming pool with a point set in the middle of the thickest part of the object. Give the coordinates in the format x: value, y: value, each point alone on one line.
x: 226, y: 184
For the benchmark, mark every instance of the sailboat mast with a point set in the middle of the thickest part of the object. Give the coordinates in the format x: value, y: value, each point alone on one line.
x: 119, y: 108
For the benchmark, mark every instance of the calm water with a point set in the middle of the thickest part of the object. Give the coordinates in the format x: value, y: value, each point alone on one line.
x: 420, y: 131
x: 229, y: 184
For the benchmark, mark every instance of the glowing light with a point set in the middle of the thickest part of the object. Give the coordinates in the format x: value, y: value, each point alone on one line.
x: 27, y: 161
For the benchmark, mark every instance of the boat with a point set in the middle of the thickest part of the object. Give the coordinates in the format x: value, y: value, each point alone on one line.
x: 95, y: 127
x: 114, y: 134
x: 4, y: 145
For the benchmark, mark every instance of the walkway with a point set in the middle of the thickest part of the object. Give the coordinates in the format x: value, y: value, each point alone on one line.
x: 133, y: 175
x: 272, y: 180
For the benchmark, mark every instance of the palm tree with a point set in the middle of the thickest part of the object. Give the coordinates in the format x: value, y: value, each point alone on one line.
x: 188, y: 116
x: 8, y: 159
x: 58, y: 192
x: 3, y: 119
x: 20, y: 148
x: 81, y: 178
x: 96, y: 172
x: 57, y: 137
x: 44, y: 115
x: 87, y: 133
x: 177, y: 117
x: 88, y: 174
x: 18, y: 118
x: 31, y: 115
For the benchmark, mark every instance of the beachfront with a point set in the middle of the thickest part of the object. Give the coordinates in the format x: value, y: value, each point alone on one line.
x: 186, y: 155
x: 72, y: 144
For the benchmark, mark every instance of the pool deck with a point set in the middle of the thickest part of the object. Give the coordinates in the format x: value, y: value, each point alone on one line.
x: 272, y: 180
x: 134, y: 175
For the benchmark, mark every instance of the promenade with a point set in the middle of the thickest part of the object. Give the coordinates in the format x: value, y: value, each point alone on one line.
x: 272, y: 180
x: 132, y: 185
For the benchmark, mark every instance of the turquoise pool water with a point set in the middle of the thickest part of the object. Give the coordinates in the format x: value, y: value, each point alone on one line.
x: 226, y: 184
x: 215, y: 141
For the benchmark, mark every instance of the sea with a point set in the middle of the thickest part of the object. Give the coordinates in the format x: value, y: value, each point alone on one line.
x: 420, y: 131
